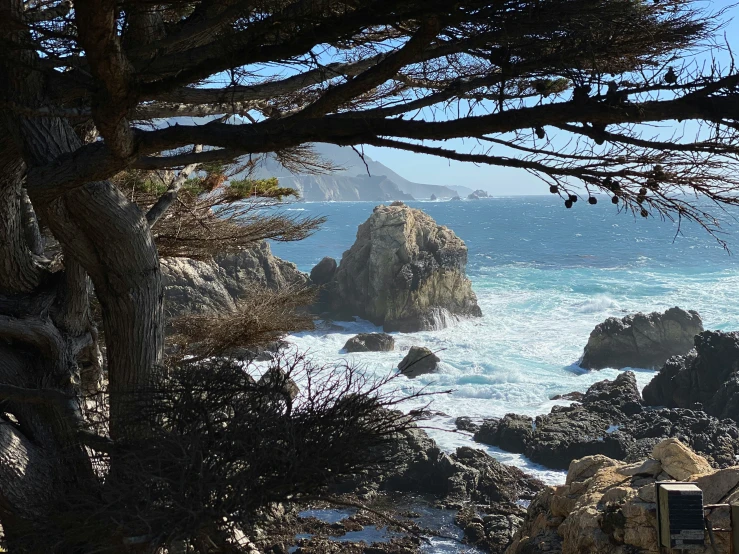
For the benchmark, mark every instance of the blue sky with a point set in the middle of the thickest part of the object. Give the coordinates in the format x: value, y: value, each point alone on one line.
x: 504, y: 181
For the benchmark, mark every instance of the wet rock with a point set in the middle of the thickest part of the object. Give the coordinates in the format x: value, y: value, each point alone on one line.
x: 418, y: 361
x: 403, y: 272
x: 611, y: 421
x: 574, y: 396
x: 465, y: 423
x: 707, y: 376
x: 370, y: 342
x: 641, y: 340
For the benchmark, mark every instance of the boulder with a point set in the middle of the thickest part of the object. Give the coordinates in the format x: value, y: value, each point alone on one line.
x: 323, y: 271
x: 609, y: 508
x: 641, y: 340
x: 708, y: 377
x: 418, y: 361
x: 199, y: 287
x: 403, y: 272
x: 612, y: 421
x: 370, y: 342
x: 678, y: 461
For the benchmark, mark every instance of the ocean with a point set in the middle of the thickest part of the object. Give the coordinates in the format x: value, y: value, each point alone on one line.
x: 544, y: 277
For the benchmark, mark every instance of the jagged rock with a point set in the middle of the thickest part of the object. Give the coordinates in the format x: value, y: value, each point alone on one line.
x: 433, y: 197
x: 465, y: 423
x: 641, y: 340
x: 418, y: 361
x: 194, y: 286
x: 414, y: 463
x: 606, y: 509
x: 455, y: 198
x: 612, y: 421
x: 404, y: 272
x: 370, y: 342
x: 323, y: 271
x: 708, y: 376
x: 574, y: 396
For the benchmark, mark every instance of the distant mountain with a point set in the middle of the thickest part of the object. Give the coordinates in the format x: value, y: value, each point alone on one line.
x: 352, y: 181
x: 462, y: 191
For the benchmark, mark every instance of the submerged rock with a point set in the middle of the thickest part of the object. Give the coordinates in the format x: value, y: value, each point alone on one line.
x: 641, y: 340
x: 708, y: 377
x: 418, y: 361
x: 609, y: 507
x: 370, y: 342
x: 198, y: 287
x: 404, y: 272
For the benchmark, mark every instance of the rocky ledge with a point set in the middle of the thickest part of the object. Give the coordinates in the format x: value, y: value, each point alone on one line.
x: 609, y: 507
x: 641, y: 340
x: 612, y: 420
x: 404, y: 272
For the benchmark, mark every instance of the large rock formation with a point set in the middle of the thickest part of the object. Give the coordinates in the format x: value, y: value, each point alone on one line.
x: 707, y: 376
x: 609, y: 507
x: 404, y: 272
x: 195, y: 286
x: 641, y: 340
x: 612, y: 420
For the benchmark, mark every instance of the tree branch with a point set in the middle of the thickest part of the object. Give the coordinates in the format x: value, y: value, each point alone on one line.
x: 166, y: 200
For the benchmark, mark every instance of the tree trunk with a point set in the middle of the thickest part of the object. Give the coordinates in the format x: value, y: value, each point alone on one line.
x: 45, y: 319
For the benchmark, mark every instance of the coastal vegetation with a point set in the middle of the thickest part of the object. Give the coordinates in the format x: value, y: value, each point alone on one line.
x: 120, y: 121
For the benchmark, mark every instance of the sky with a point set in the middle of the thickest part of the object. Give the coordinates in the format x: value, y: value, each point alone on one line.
x: 503, y: 181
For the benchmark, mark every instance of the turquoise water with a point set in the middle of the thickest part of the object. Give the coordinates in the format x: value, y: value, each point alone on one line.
x: 544, y: 277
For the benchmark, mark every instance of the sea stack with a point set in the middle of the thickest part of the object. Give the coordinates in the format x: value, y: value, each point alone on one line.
x: 404, y: 272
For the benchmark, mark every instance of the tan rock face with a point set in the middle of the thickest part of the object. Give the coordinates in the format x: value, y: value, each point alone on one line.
x: 196, y: 286
x: 608, y: 507
x: 679, y: 461
x: 404, y: 272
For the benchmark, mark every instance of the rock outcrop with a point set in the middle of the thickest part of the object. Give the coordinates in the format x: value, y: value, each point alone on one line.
x: 198, y: 287
x: 479, y: 193
x: 418, y: 361
x: 706, y: 377
x: 492, y: 491
x: 370, y: 342
x: 641, y: 340
x: 609, y: 507
x: 611, y: 420
x: 404, y: 272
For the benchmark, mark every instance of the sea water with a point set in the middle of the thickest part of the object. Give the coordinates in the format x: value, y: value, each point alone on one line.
x: 544, y: 277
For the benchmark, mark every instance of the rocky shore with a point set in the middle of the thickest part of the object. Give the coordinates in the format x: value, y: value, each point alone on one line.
x: 406, y: 273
